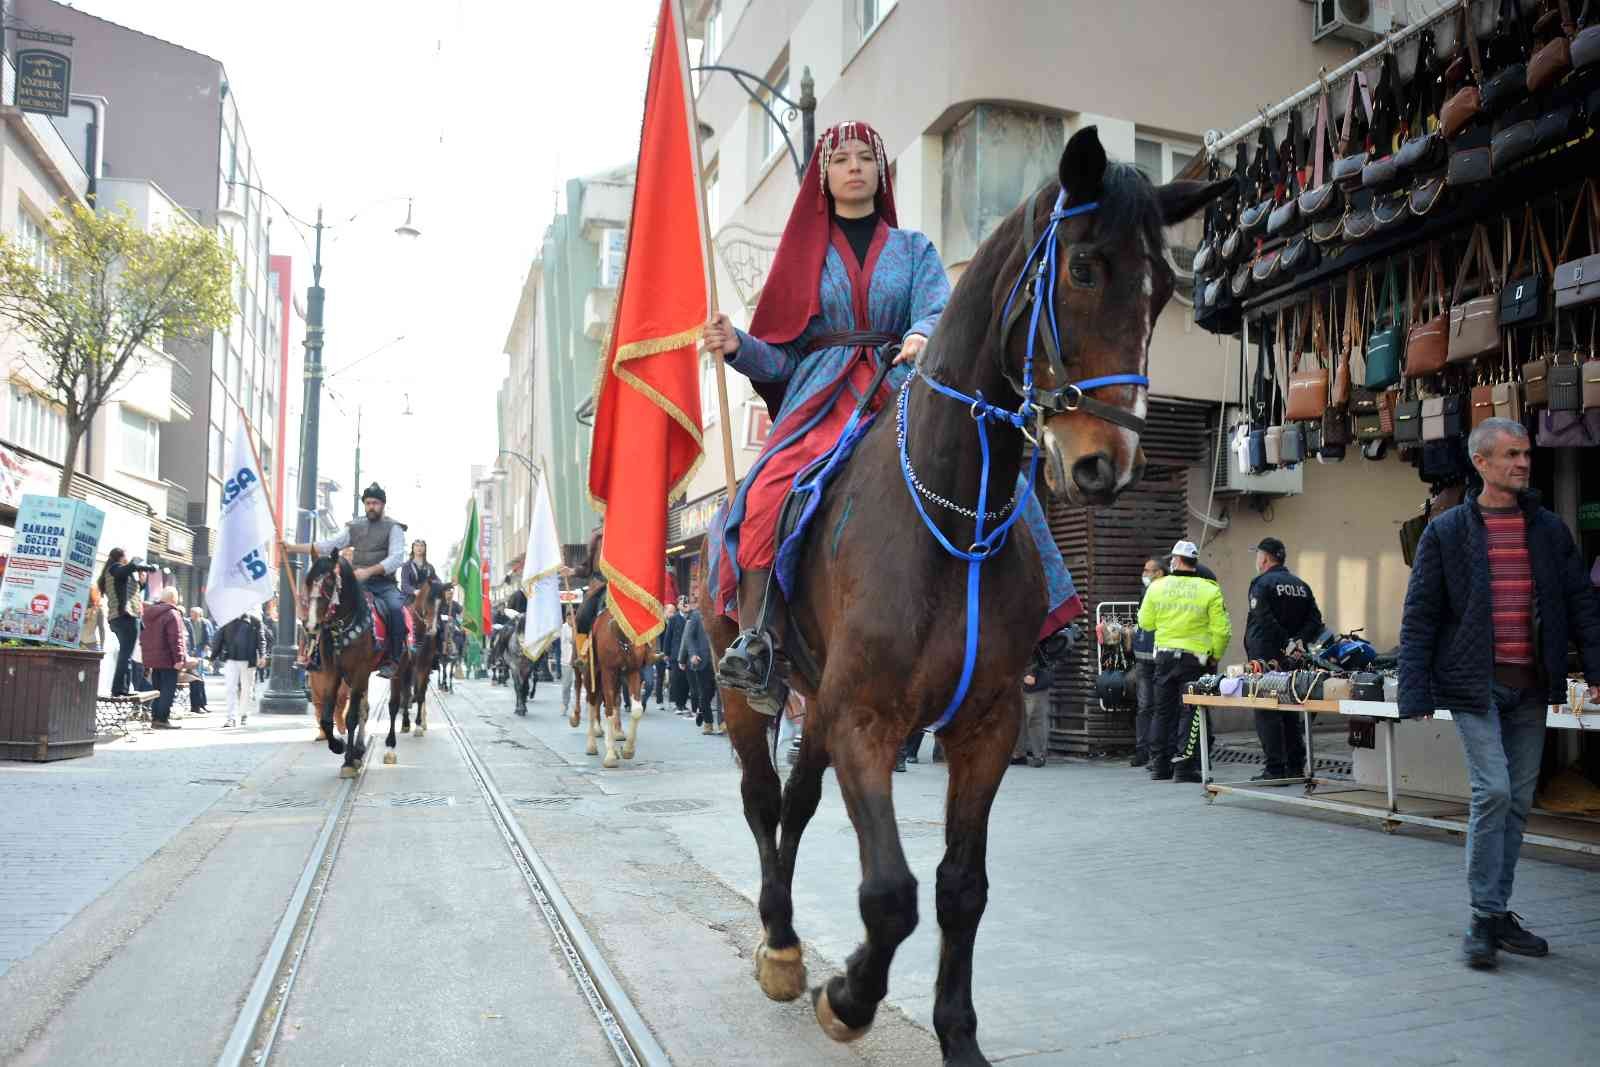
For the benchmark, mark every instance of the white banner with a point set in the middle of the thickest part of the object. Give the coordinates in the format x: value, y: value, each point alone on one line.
x: 541, y: 577
x: 241, y: 575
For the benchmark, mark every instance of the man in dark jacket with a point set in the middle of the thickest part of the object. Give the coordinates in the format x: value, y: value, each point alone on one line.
x: 1283, y: 611
x: 694, y: 657
x: 667, y: 683
x: 1144, y: 671
x: 1497, y: 594
x: 1033, y: 739
x: 240, y: 646
x: 164, y: 645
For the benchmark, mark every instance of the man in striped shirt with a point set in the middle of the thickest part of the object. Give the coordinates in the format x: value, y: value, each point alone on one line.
x: 1497, y: 594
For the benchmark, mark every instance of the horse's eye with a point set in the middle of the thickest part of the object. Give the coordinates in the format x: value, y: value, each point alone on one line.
x: 1081, y: 274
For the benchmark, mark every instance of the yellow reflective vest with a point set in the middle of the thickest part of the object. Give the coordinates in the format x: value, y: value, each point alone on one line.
x: 1185, y: 611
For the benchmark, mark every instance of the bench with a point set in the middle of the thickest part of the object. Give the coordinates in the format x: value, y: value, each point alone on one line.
x: 112, y: 713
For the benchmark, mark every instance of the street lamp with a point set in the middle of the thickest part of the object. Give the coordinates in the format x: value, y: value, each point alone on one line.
x: 284, y: 694
x: 805, y: 108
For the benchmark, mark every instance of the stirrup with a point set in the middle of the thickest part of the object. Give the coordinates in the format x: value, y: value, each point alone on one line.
x: 742, y: 668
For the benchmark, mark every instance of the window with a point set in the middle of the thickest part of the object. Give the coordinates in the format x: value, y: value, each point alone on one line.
x: 37, y: 425
x: 711, y: 40
x: 1161, y: 161
x: 35, y: 237
x: 141, y: 444
x: 613, y: 247
x: 215, y: 457
x: 864, y: 17
x: 713, y: 187
x: 772, y: 134
x: 219, y: 398
x: 708, y: 392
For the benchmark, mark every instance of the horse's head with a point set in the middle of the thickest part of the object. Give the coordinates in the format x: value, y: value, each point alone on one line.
x: 1099, y: 289
x: 330, y: 583
x: 425, y: 599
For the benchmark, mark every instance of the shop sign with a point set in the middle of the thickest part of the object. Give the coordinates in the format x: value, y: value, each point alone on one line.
x: 571, y: 596
x: 20, y: 475
x: 44, y: 81
x: 45, y: 591
x: 1589, y: 515
x: 694, y: 519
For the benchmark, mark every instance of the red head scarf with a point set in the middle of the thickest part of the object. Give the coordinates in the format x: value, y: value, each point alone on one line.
x: 792, y: 293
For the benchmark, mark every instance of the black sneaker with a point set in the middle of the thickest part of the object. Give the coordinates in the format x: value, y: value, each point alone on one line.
x: 1138, y: 760
x: 1192, y: 777
x: 1509, y: 935
x: 1478, y: 946
x: 1017, y: 761
x: 1161, y: 772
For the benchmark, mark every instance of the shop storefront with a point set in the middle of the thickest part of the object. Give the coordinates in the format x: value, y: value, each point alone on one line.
x: 1406, y: 257
x: 687, y: 522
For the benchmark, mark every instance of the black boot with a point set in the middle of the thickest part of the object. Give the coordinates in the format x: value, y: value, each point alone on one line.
x: 1160, y: 770
x: 1510, y: 935
x: 752, y: 664
x: 1478, y: 946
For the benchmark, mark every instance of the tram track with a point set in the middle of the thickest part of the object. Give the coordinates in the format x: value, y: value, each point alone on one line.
x: 256, y: 1028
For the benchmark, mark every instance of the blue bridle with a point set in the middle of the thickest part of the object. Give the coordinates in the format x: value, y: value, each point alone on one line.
x: 1036, y: 284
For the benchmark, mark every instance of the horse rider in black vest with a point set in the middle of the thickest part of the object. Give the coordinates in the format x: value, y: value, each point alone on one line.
x: 378, y: 547
x: 595, y: 599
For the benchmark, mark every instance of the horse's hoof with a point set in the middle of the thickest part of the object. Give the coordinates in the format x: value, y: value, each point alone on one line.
x: 322, y: 735
x: 573, y: 722
x: 609, y: 761
x: 347, y: 770
x: 405, y: 728
x: 627, y: 751
x: 336, y: 746
x: 592, y: 750
x: 780, y: 972
x: 830, y: 1023
x: 421, y: 729
x: 389, y: 760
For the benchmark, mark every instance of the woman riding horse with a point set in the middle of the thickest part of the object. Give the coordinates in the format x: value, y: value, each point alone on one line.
x: 845, y: 283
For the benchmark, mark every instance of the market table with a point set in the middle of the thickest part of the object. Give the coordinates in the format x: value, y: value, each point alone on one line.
x: 1574, y: 833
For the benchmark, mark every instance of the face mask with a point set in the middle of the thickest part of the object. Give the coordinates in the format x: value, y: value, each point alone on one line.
x: 1146, y: 579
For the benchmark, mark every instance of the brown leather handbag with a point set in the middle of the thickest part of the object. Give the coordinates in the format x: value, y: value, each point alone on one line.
x: 1428, y: 333
x: 1578, y: 277
x: 1507, y: 392
x: 1339, y: 394
x: 1482, y: 404
x: 1551, y: 60
x: 1465, y: 103
x: 1308, y: 389
x: 1536, y: 381
x: 1475, y: 323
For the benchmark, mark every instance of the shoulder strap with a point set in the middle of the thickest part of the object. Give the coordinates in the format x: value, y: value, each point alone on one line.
x: 1319, y: 140
x: 1579, y: 207
x: 1389, y: 292
x: 1470, y: 31
x: 1470, y: 262
x: 1357, y: 95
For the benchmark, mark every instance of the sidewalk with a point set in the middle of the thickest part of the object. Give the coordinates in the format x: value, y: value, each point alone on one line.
x: 75, y: 827
x: 1129, y: 921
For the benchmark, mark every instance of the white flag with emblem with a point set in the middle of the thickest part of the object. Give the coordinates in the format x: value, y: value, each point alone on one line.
x: 240, y: 578
x: 541, y: 577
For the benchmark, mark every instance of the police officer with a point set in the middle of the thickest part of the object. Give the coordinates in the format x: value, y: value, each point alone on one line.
x: 1191, y: 627
x: 1283, y: 612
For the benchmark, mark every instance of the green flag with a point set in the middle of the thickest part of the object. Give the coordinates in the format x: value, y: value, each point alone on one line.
x: 469, y: 577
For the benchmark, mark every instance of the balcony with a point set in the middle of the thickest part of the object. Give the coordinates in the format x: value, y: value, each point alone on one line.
x: 607, y: 203
x: 599, y: 305
x: 177, y: 503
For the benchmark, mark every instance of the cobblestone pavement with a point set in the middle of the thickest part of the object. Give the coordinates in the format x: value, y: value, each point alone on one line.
x: 1131, y: 922
x: 75, y: 827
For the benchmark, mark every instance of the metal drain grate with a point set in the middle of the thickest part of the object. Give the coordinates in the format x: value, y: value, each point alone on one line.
x: 541, y: 802
x: 215, y: 781
x: 284, y: 803
x: 409, y: 800
x: 669, y: 806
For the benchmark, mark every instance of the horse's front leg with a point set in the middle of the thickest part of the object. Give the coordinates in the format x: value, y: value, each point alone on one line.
x: 355, y: 733
x: 779, y: 963
x: 326, y: 704
x: 611, y: 713
x: 978, y: 757
x: 594, y: 723
x: 396, y: 687
x: 634, y: 715
x: 863, y: 745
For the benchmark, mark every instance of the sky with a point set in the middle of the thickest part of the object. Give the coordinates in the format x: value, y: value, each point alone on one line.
x: 478, y: 109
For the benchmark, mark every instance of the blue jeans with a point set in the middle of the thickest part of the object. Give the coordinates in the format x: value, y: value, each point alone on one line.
x: 393, y: 604
x: 1503, y: 747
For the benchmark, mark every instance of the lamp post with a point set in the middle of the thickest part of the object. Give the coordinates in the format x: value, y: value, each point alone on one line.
x: 805, y: 108
x: 285, y: 694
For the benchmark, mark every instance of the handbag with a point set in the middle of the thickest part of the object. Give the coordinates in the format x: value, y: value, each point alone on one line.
x: 1566, y: 384
x: 1390, y: 209
x: 1481, y: 405
x: 1352, y: 155
x: 1421, y: 146
x: 1589, y: 393
x: 1292, y: 445
x: 1475, y: 323
x: 1551, y: 60
x: 1239, y: 283
x: 1508, y: 392
x: 1253, y: 219
x: 1273, y: 446
x: 1408, y: 422
x: 1299, y: 255
x: 1512, y: 143
x: 1458, y: 112
x: 1308, y: 389
x: 1323, y: 198
x: 1264, y: 271
x: 1335, y: 429
x: 1522, y: 299
x: 1568, y: 429
x: 1536, y: 381
x: 1427, y: 193
x: 1469, y: 166
x: 1383, y: 347
x: 1508, y: 85
x: 1578, y: 278
x: 1382, y: 172
x: 1285, y: 219
x: 1427, y: 336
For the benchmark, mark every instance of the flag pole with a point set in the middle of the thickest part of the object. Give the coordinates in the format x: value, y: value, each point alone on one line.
x: 707, y: 250
x: 272, y: 508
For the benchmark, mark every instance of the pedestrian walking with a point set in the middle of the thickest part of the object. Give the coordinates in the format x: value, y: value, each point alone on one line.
x: 678, y: 679
x: 164, y: 644
x: 1033, y: 739
x: 1497, y: 594
x: 694, y: 657
x: 1144, y: 671
x: 240, y: 646
x: 567, y: 658
x: 1192, y: 630
x: 118, y: 584
x: 1283, y: 621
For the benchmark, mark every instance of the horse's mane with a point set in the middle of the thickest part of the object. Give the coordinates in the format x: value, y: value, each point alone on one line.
x: 1129, y: 210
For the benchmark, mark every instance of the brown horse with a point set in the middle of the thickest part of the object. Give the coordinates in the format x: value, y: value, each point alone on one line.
x: 410, y: 682
x: 614, y: 663
x: 337, y: 613
x: 880, y: 591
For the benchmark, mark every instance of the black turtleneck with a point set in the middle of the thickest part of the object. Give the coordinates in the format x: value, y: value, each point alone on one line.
x: 858, y: 232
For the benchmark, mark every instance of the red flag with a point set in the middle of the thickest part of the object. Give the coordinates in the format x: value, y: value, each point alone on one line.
x: 647, y: 420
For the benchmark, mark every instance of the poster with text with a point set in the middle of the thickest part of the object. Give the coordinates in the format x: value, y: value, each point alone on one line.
x: 45, y: 591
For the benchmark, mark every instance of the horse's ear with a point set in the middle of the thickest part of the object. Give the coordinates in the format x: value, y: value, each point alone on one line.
x: 1083, y: 166
x: 1180, y: 199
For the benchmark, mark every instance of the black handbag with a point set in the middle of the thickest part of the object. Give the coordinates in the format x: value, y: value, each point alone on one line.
x: 1511, y: 144
x: 1253, y: 219
x: 1426, y: 194
x: 1508, y: 50
x: 1471, y: 159
x: 1300, y: 254
x: 1523, y: 298
x: 1421, y: 148
x: 1566, y: 383
x: 1408, y: 421
x: 1390, y: 210
x: 1352, y: 152
x: 1111, y: 688
x: 1323, y: 199
x: 1382, y: 171
x: 1366, y: 685
x: 1285, y: 219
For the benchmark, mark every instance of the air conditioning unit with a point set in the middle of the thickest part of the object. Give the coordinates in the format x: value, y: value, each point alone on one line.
x: 1226, y: 479
x: 1363, y: 22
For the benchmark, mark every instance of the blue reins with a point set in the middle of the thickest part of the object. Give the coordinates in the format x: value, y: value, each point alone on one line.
x: 1043, y: 261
